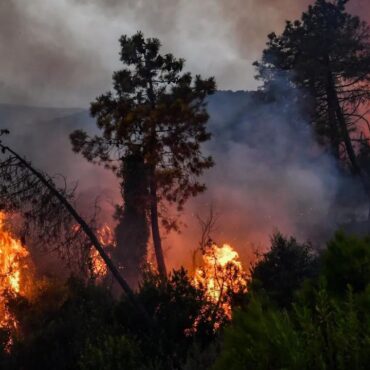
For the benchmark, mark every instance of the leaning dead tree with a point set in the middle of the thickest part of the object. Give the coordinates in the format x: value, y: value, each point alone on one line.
x: 49, y: 209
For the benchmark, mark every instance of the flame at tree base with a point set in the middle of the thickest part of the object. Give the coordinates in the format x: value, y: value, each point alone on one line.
x: 107, y: 240
x: 221, y: 274
x: 14, y: 270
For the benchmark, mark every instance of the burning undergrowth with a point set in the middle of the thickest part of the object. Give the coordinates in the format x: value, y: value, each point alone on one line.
x: 222, y: 276
x: 220, y: 273
x: 16, y: 271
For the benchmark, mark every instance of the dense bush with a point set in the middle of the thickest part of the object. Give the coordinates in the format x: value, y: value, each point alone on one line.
x: 182, y: 314
x: 332, y: 335
x: 302, y: 311
x: 282, y: 270
x: 346, y: 261
x: 54, y: 325
x: 327, y: 326
x: 111, y: 353
x: 79, y: 326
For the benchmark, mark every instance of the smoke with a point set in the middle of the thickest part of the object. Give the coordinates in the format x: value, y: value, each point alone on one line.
x: 47, y: 59
x: 270, y: 175
x: 62, y: 52
x: 269, y: 172
x: 251, y: 21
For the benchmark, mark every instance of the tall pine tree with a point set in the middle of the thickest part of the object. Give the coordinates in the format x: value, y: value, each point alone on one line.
x: 132, y: 231
x: 159, y: 112
x: 326, y: 55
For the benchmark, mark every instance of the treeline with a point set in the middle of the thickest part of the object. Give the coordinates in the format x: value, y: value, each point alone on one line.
x: 304, y: 309
x: 154, y: 122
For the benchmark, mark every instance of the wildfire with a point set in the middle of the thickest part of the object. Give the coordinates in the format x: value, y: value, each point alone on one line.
x: 14, y: 265
x: 106, y: 239
x: 221, y: 274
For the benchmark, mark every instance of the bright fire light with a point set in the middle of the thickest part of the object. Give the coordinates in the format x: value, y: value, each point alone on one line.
x: 106, y: 239
x: 13, y: 267
x: 221, y: 275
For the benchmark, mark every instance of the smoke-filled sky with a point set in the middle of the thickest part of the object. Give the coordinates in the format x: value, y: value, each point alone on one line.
x: 63, y: 52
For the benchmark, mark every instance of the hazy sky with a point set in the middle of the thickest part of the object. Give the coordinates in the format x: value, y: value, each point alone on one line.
x: 63, y: 52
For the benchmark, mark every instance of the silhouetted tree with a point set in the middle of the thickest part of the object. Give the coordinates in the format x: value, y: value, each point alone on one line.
x: 183, y: 315
x: 132, y: 231
x: 159, y: 112
x: 282, y: 270
x: 326, y: 55
x: 346, y: 262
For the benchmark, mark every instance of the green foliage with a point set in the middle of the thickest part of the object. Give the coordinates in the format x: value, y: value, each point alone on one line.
x: 259, y: 339
x: 325, y: 55
x: 346, y: 261
x: 156, y: 111
x: 327, y: 324
x: 61, y: 326
x: 177, y: 306
x: 200, y: 358
x: 283, y: 269
x: 111, y: 353
x: 330, y: 335
x: 54, y: 324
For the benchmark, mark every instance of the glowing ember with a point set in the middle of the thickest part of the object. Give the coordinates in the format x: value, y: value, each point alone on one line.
x: 221, y: 275
x: 13, y: 267
x: 106, y: 239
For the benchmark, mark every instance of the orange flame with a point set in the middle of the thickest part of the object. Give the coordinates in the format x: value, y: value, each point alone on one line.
x: 13, y: 269
x: 221, y: 275
x: 106, y: 239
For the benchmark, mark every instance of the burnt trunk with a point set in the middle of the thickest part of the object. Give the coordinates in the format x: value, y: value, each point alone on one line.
x: 155, y: 224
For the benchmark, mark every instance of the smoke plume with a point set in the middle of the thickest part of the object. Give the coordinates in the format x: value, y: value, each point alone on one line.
x: 269, y: 172
x: 62, y: 52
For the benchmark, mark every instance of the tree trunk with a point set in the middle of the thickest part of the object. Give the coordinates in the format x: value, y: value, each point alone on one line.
x: 352, y: 155
x: 345, y: 136
x: 334, y: 132
x: 153, y: 194
x: 155, y: 224
x: 333, y: 125
x: 132, y: 231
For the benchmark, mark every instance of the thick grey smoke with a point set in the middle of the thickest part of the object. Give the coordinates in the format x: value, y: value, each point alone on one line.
x: 270, y: 175
x: 63, y: 52
x: 269, y: 172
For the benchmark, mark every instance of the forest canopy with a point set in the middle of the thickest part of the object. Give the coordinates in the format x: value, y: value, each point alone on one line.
x: 80, y: 292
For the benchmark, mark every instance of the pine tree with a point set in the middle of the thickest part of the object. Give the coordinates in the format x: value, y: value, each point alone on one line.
x: 132, y: 231
x: 158, y: 111
x: 326, y: 55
